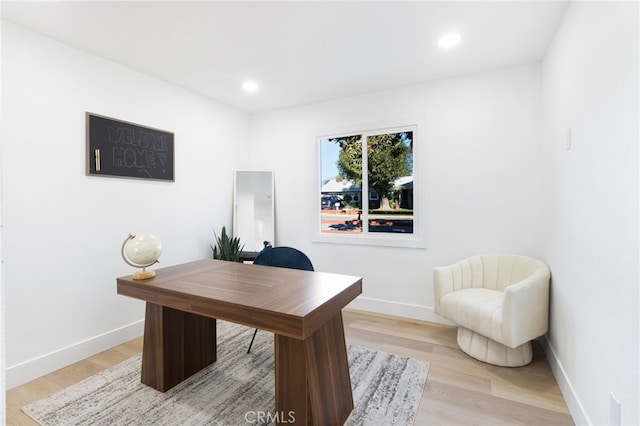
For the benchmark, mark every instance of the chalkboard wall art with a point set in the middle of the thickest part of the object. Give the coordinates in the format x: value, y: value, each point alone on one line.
x: 120, y: 148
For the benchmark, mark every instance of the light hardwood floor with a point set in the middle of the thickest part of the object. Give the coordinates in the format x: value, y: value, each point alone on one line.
x: 459, y: 389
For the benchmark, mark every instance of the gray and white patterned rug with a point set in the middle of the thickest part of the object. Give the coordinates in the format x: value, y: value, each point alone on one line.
x: 238, y: 389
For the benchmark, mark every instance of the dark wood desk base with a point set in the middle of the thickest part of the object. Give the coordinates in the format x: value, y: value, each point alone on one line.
x: 312, y: 379
x: 176, y: 345
x: 312, y: 376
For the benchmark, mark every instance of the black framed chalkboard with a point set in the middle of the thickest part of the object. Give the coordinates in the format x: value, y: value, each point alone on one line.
x: 120, y: 148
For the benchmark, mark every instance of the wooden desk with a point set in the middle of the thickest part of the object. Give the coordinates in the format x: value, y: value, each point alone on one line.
x: 302, y: 309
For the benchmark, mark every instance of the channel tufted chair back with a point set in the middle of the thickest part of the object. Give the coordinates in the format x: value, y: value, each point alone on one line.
x: 499, y: 301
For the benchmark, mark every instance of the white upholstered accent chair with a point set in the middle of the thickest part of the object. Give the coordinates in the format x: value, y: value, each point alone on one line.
x: 499, y: 301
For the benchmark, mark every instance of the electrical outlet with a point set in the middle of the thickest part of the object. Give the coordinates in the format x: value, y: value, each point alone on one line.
x: 614, y: 410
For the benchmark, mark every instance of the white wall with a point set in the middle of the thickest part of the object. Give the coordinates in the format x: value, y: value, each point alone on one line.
x: 590, y: 81
x: 62, y: 230
x: 493, y: 177
x: 479, y: 166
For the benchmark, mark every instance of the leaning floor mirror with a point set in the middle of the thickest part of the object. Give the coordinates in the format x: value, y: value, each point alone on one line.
x: 253, y: 209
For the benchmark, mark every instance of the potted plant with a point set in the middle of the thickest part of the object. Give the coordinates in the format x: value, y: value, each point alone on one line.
x: 226, y: 248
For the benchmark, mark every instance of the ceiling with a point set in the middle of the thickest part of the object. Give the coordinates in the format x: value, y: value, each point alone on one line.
x: 298, y: 52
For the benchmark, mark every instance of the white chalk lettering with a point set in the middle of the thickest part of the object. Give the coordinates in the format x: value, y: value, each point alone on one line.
x: 137, y: 138
x: 134, y: 157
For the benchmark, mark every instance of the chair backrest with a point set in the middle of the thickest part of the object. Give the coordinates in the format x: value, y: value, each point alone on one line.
x: 495, y: 271
x: 284, y: 257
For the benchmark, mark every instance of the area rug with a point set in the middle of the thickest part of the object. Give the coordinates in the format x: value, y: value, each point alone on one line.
x: 238, y: 389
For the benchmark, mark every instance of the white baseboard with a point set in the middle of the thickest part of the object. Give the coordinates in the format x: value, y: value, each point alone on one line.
x: 397, y: 309
x: 26, y: 371
x: 576, y: 408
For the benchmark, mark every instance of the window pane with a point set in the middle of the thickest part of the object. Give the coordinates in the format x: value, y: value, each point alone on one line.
x: 341, y: 193
x: 390, y: 182
x: 367, y: 183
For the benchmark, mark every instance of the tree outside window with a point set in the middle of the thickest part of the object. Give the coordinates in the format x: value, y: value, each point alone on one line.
x: 379, y: 200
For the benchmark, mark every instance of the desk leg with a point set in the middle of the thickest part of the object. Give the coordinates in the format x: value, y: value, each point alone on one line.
x: 312, y: 377
x: 176, y: 345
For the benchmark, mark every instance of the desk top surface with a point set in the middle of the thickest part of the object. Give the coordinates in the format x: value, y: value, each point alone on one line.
x: 288, y: 301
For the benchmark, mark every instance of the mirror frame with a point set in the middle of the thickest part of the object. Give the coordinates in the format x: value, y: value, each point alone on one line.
x: 258, y: 187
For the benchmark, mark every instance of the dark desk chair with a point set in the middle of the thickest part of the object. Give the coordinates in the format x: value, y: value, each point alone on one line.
x: 283, y: 257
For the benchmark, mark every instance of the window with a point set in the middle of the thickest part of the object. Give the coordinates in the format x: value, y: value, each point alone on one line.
x: 367, y: 182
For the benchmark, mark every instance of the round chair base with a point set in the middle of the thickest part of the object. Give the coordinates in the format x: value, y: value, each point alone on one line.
x: 487, y: 350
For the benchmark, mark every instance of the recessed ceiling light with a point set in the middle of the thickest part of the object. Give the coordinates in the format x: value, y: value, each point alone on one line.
x: 449, y: 40
x: 250, y: 86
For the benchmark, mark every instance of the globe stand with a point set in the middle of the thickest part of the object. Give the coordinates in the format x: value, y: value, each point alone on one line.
x: 144, y: 274
x: 140, y: 275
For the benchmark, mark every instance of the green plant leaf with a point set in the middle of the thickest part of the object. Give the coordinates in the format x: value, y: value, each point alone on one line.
x: 226, y: 248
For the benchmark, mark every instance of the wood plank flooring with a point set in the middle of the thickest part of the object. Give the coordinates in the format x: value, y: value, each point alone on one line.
x: 459, y: 389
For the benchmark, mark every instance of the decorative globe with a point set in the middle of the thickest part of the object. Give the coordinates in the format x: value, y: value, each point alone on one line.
x: 141, y: 251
